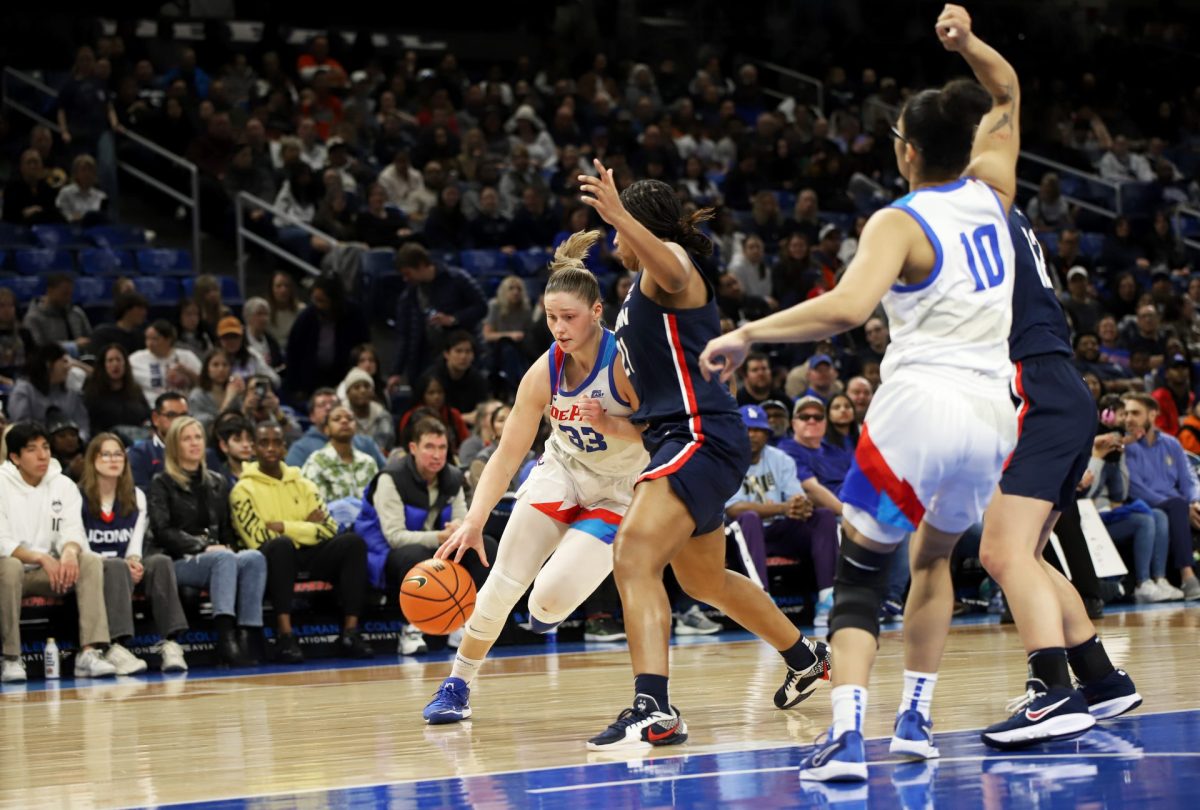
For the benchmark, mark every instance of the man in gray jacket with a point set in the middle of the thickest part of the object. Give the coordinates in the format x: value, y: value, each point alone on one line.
x: 54, y: 319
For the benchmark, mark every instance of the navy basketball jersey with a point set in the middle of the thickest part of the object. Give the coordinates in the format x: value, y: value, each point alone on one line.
x: 660, y: 349
x: 1039, y: 325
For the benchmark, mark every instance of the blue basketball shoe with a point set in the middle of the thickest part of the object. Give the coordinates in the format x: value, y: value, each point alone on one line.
x: 1042, y: 714
x: 642, y: 726
x: 1112, y: 695
x: 841, y: 759
x: 450, y: 703
x: 913, y: 736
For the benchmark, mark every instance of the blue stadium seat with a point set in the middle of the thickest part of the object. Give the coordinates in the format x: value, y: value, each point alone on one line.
x: 1091, y: 244
x: 845, y: 222
x: 159, y: 291
x: 15, y: 236
x: 484, y: 262
x: 787, y: 201
x: 532, y: 262
x: 32, y: 261
x: 231, y: 294
x: 26, y: 288
x: 164, y: 262
x: 59, y: 236
x: 444, y: 257
x: 378, y: 262
x: 106, y: 262
x: 117, y: 236
x: 93, y: 291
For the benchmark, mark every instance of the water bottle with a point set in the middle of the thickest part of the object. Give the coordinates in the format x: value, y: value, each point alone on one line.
x: 51, y: 660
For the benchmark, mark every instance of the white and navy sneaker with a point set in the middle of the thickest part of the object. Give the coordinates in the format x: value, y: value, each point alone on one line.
x: 840, y: 759
x: 412, y: 641
x: 799, y: 685
x: 1042, y: 714
x: 641, y: 727
x: 1112, y: 695
x: 913, y: 736
x: 450, y: 703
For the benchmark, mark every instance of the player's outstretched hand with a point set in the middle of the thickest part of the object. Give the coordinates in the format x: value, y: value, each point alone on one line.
x: 464, y: 537
x: 601, y: 193
x: 953, y: 27
x: 723, y: 355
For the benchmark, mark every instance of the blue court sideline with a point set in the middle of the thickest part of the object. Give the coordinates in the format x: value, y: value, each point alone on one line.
x: 1142, y: 761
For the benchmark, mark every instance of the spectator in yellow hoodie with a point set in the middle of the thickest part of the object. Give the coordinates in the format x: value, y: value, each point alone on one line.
x: 279, y: 512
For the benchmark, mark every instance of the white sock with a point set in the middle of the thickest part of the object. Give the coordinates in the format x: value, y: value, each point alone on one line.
x: 465, y: 668
x: 918, y: 692
x: 849, y: 708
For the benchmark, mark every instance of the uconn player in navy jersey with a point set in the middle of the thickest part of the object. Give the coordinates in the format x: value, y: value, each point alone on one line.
x: 1055, y: 441
x: 939, y: 429
x: 699, y: 452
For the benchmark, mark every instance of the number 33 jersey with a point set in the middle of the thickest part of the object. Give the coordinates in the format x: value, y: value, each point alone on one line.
x: 957, y: 320
x: 573, y: 437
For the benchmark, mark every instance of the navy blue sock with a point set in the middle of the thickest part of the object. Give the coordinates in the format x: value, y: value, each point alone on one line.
x: 1050, y: 667
x: 654, y: 686
x: 1089, y: 660
x: 798, y: 656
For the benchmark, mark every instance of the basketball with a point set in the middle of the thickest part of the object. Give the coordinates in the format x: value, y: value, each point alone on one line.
x: 438, y: 596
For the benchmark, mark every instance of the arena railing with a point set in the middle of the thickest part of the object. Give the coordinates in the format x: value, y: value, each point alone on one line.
x: 1091, y: 181
x: 191, y: 203
x: 803, y: 78
x: 1192, y: 214
x: 245, y: 202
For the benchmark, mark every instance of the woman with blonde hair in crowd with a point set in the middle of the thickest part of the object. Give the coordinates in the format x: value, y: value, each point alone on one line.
x: 207, y: 295
x: 114, y: 517
x: 482, y: 434
x: 285, y: 306
x: 189, y: 518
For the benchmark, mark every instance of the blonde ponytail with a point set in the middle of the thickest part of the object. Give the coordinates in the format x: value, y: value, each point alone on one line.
x: 567, y: 271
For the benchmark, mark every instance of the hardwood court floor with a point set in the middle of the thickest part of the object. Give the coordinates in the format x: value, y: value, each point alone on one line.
x: 158, y: 741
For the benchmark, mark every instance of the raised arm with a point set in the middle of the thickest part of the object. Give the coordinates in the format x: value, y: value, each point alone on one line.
x: 998, y: 138
x: 668, y: 267
x: 883, y: 250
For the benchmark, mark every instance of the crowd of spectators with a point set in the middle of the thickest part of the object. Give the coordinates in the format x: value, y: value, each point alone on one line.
x: 287, y: 413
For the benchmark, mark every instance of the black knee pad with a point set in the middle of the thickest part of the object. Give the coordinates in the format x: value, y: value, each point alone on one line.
x: 858, y: 588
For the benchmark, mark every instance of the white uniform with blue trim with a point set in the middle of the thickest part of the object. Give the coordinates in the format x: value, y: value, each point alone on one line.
x: 942, y: 424
x: 584, y: 478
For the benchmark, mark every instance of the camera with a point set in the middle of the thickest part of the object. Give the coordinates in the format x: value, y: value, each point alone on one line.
x: 260, y: 388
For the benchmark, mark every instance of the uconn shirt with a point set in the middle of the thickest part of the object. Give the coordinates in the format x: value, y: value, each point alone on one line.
x: 1038, y: 323
x: 118, y: 535
x: 956, y: 321
x: 660, y: 348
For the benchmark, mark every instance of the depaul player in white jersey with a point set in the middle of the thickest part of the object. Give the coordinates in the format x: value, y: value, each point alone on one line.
x: 942, y: 424
x: 569, y: 507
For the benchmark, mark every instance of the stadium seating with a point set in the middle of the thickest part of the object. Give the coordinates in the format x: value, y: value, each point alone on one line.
x: 231, y: 294
x: 59, y: 236
x: 164, y: 262
x: 105, y: 261
x: 31, y: 261
x: 26, y: 288
x: 117, y: 236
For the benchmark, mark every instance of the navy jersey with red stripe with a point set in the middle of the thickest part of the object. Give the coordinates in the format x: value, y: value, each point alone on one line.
x: 1038, y: 323
x: 660, y: 348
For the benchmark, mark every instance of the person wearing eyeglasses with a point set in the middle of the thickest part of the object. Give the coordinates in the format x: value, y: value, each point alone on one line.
x: 115, y: 519
x: 146, y: 456
x: 819, y: 467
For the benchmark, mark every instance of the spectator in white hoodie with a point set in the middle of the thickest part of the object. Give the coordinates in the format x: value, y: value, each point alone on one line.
x: 44, y: 552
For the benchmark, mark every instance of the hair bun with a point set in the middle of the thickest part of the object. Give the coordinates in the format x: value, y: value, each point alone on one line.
x: 963, y: 102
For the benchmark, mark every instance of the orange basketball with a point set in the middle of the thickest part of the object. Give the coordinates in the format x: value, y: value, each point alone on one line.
x: 438, y: 596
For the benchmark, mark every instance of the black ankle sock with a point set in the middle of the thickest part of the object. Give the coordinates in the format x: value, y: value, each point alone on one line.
x: 1050, y: 667
x: 1089, y: 660
x: 224, y: 625
x: 656, y: 687
x: 798, y: 656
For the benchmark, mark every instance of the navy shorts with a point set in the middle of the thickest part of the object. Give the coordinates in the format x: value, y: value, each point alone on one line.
x: 1056, y: 424
x: 705, y: 460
